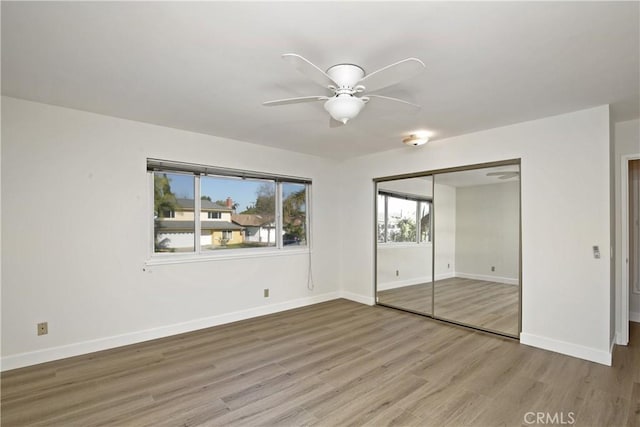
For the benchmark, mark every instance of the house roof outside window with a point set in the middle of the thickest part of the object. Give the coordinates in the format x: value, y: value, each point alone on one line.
x: 252, y: 220
x: 205, y: 205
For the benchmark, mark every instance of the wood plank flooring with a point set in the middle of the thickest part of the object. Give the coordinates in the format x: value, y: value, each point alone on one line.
x: 337, y: 363
x: 487, y: 305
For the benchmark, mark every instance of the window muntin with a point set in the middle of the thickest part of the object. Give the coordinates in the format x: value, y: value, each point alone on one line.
x: 403, y: 219
x: 227, y: 212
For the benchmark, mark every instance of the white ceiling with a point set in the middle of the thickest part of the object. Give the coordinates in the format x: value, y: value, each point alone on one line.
x: 474, y: 177
x: 208, y: 66
x: 463, y: 178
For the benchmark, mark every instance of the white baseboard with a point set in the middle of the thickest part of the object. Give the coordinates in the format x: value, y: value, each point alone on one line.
x: 497, y: 279
x: 402, y: 283
x: 362, y: 299
x: 76, y: 349
x: 634, y: 316
x: 570, y: 349
x: 413, y: 281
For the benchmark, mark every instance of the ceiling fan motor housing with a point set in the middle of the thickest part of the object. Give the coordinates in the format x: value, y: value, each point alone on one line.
x: 346, y: 75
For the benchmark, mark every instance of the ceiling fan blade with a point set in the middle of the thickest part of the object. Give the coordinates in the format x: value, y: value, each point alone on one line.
x: 388, y: 98
x: 295, y: 100
x: 392, y: 74
x: 309, y: 69
x: 504, y: 174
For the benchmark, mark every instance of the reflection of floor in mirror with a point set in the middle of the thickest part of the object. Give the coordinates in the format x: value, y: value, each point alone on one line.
x: 488, y: 305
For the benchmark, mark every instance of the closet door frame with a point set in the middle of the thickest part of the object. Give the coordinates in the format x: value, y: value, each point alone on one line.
x: 622, y: 304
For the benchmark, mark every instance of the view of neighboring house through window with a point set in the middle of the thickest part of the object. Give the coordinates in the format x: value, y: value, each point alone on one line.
x: 403, y: 218
x: 226, y: 211
x: 246, y: 209
x: 174, y: 223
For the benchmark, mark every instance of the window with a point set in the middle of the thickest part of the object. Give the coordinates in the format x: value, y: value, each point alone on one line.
x: 294, y: 214
x: 173, y: 199
x: 403, y: 218
x: 226, y: 209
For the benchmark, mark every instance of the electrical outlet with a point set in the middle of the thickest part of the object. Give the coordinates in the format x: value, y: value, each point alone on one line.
x: 43, y: 328
x: 266, y: 293
x: 448, y: 265
x: 397, y: 273
x: 493, y: 268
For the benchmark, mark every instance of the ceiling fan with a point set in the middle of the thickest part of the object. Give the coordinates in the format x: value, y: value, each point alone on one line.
x: 348, y: 82
x: 504, y: 174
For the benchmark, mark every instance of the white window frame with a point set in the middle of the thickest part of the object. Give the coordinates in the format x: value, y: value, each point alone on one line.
x: 419, y: 200
x: 155, y: 258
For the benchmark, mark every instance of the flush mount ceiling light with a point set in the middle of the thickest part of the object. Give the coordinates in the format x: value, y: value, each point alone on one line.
x: 505, y: 174
x: 415, y: 140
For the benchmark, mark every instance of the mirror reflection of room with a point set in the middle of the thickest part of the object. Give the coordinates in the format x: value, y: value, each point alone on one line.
x: 477, y: 240
x: 448, y: 246
x: 404, y: 244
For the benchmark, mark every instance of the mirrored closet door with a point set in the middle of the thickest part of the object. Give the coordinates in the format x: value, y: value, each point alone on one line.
x: 477, y: 270
x: 404, y: 248
x: 448, y: 245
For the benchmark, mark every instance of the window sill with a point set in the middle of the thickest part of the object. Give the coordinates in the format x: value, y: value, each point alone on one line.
x: 189, y: 258
x: 404, y: 245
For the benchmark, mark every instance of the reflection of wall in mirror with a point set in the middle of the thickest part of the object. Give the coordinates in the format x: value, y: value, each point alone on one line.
x: 487, y: 232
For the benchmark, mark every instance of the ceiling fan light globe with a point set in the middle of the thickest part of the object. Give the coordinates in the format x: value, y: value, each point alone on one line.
x: 344, y: 108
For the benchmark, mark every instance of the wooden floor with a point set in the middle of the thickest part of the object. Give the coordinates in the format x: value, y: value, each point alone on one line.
x: 487, y: 305
x: 332, y: 364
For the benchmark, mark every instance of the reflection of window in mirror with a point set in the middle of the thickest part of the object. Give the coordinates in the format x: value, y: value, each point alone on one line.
x: 403, y: 218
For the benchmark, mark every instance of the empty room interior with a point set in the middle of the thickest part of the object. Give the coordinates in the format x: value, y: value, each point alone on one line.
x: 320, y: 213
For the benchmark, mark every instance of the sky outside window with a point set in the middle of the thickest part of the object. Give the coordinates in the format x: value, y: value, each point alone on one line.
x: 241, y: 191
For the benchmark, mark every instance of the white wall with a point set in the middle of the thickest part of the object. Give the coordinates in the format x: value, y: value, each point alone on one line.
x: 411, y: 261
x: 445, y: 212
x: 487, y: 232
x: 565, y: 211
x: 84, y: 273
x: 626, y: 142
